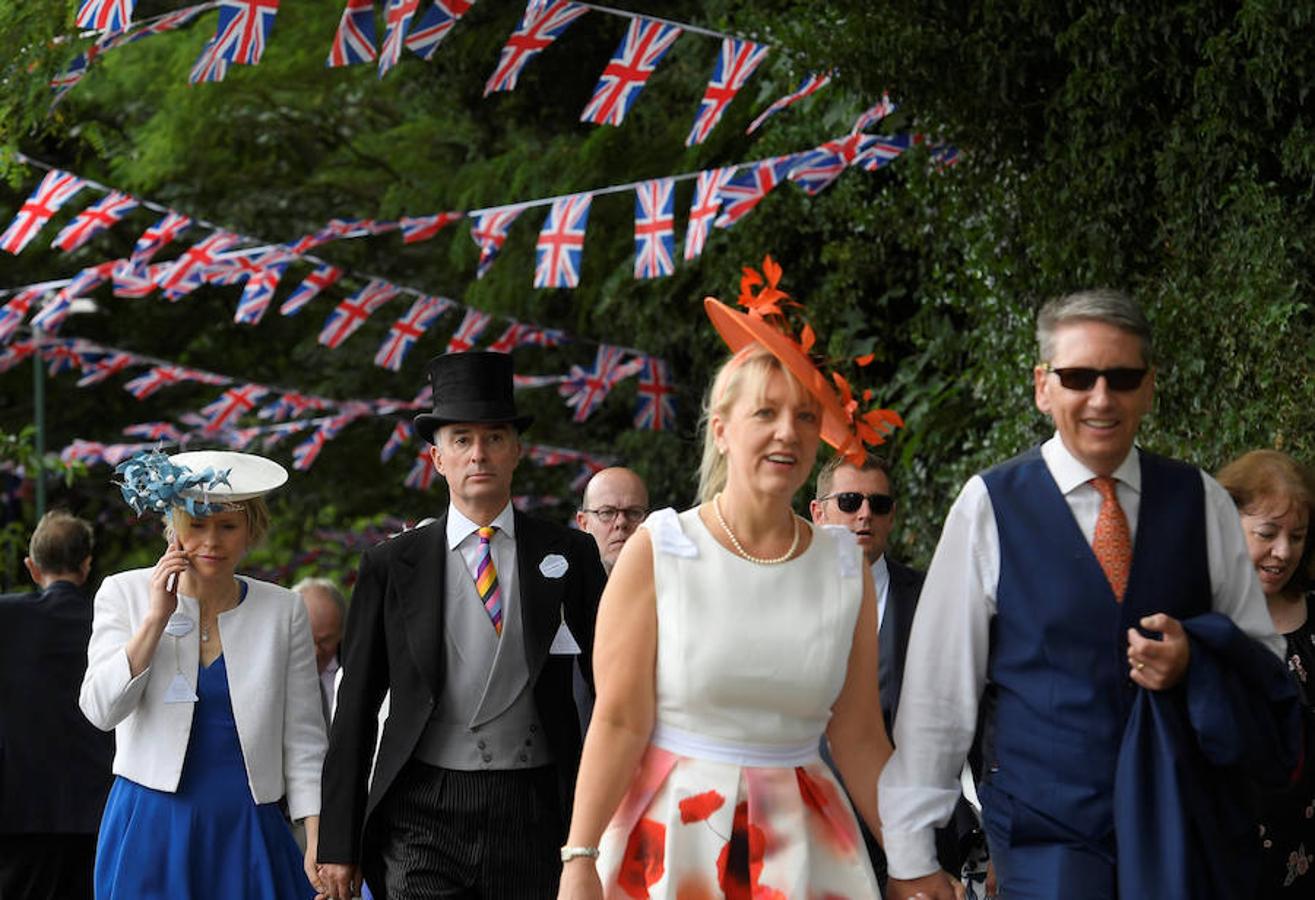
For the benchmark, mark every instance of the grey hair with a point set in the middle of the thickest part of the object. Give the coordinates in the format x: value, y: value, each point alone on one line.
x: 328, y: 587
x: 1094, y: 305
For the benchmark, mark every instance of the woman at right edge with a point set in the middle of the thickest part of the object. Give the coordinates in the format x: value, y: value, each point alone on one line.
x: 730, y: 637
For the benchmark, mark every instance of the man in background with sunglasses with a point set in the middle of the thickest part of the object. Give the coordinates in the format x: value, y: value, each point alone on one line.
x: 1057, y: 591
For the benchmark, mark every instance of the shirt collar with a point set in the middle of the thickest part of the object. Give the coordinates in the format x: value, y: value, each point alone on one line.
x: 459, y: 527
x: 880, y: 569
x: 1070, y: 473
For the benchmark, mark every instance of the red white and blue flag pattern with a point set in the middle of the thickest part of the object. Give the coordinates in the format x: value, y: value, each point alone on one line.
x: 434, y: 25
x: 472, y: 326
x: 159, y: 235
x: 185, y: 275
x: 421, y: 228
x: 560, y: 249
x: 397, y: 19
x: 243, y: 29
x: 655, y: 224
x: 353, y: 42
x: 645, y: 43
x: 520, y: 334
x: 543, y: 22
x: 397, y: 439
x: 584, y: 389
x: 812, y: 83
x: 655, y: 396
x: 421, y: 476
x: 736, y: 62
x: 404, y: 333
x: 104, y: 366
x: 15, y: 310
x: 93, y: 220
x: 745, y: 190
x: 55, y: 189
x: 310, y: 287
x: 105, y: 15
x: 704, y: 208
x: 351, y: 313
x: 815, y: 170
x: 231, y: 406
x: 489, y: 232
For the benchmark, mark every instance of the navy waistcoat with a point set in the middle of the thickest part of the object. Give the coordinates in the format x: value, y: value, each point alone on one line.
x: 1058, y: 691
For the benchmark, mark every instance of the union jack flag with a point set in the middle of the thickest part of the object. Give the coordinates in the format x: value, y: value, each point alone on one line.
x: 584, y: 389
x: 15, y: 310
x: 703, y: 211
x: 55, y: 189
x: 291, y: 405
x: 89, y: 452
x: 422, y: 228
x: 468, y: 332
x: 156, y: 237
x: 93, y: 220
x: 544, y: 455
x: 167, y: 22
x: 149, y: 382
x: 354, y: 41
x: 434, y: 26
x: 404, y: 333
x: 275, y: 433
x: 421, y: 476
x: 812, y: 83
x: 68, y: 79
x: 351, y: 313
x: 744, y: 191
x: 54, y: 313
x: 397, y: 19
x: 643, y: 47
x: 943, y: 156
x: 305, y: 453
x: 655, y: 220
x: 244, y: 27
x: 155, y: 431
x: 815, y: 170
x: 97, y: 370
x: 15, y: 353
x: 883, y: 108
x: 210, y: 65
x: 64, y: 356
x: 518, y: 334
x: 489, y: 231
x: 105, y: 15
x: 589, y: 467
x: 133, y: 283
x: 310, y: 286
x: 543, y: 22
x: 258, y: 293
x: 878, y: 151
x: 230, y: 406
x: 655, y: 405
x: 737, y: 61
x: 396, y: 441
x: 185, y: 275
x: 561, y: 243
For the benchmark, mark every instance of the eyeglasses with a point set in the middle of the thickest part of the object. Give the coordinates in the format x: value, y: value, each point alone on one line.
x: 850, y: 501
x: 607, y: 514
x: 1079, y: 378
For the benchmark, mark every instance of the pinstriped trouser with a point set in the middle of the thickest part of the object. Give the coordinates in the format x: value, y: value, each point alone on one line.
x: 443, y: 833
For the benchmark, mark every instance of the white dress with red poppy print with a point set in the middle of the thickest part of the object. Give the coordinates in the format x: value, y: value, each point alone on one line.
x: 731, y: 798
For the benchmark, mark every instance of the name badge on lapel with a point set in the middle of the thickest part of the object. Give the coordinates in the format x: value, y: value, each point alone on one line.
x: 553, y: 565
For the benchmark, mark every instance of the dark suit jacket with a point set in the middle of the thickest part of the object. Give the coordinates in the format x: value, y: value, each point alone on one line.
x: 896, y: 624
x: 394, y: 642
x: 54, y: 764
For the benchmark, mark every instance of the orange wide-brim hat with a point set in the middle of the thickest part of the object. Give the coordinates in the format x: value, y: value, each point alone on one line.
x: 741, y: 330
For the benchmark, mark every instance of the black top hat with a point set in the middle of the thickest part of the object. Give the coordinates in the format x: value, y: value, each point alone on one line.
x: 473, y: 387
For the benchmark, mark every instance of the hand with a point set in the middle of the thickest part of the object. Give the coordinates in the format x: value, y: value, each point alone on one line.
x: 312, y: 869
x: 338, y: 882
x: 1158, y: 664
x: 580, y: 880
x: 936, y: 886
x: 164, y: 580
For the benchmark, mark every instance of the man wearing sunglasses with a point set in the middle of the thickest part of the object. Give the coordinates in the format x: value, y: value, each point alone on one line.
x: 1056, y: 596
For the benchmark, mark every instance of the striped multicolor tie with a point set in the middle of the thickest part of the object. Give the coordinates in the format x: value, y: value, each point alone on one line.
x: 486, y: 579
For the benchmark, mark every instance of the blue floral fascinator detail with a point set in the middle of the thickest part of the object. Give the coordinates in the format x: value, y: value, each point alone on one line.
x: 151, y: 482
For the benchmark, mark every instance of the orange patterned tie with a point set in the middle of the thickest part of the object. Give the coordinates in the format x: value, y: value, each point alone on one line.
x: 1112, y: 542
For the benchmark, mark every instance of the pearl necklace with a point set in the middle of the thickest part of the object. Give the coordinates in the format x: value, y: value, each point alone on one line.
x: 739, y: 548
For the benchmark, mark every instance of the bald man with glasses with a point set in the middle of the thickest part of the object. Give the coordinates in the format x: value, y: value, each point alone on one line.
x: 615, y: 502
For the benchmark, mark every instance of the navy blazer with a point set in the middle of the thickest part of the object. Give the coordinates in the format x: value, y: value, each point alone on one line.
x: 896, y: 625
x: 54, y: 764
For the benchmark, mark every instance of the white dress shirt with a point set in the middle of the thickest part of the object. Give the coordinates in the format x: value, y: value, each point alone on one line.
x: 881, y: 581
x: 462, y: 537
x: 945, y: 670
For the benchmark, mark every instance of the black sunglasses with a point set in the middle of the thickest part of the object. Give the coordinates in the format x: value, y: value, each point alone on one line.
x: 850, y: 501
x: 1079, y: 378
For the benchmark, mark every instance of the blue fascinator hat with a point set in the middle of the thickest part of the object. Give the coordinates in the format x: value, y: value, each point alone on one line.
x: 202, y: 482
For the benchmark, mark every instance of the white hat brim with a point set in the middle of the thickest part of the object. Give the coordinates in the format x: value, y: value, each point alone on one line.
x: 249, y: 475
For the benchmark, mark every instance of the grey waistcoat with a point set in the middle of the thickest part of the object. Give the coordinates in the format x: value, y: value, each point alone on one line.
x: 485, y: 717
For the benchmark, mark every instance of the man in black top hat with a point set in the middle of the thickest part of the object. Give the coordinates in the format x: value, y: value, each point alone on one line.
x: 472, y: 623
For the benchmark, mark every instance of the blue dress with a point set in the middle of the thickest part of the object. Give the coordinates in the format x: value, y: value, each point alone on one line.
x: 209, y: 839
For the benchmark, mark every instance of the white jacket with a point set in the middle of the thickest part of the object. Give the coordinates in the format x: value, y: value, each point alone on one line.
x: 272, y: 681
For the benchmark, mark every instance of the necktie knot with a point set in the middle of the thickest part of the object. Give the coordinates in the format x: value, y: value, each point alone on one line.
x: 1105, y: 485
x: 486, y: 533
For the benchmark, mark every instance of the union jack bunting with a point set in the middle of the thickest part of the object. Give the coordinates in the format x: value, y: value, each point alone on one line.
x: 703, y: 211
x: 156, y: 237
x: 943, y: 156
x: 742, y: 192
x: 132, y: 283
x: 524, y: 382
x: 89, y: 452
x: 815, y: 170
x: 354, y: 41
x: 489, y: 232
x: 105, y: 15
x: 291, y: 405
x: 655, y: 404
x: 64, y: 356
x: 15, y: 353
x: 15, y: 310
x: 55, y: 189
x: 397, y: 19
x: 107, y: 366
x: 543, y: 22
x: 161, y: 24
x: 589, y: 467
x: 404, y: 333
x: 468, y: 332
x: 184, y: 276
x: 155, y: 431
x: 878, y: 150
x: 210, y: 65
x: 258, y: 293
x: 117, y: 453
x: 305, y: 453
x: 422, y: 228
x: 149, y: 382
x: 351, y: 313
x: 518, y: 334
x: 396, y: 440
x: 434, y: 26
x: 68, y: 79
x: 56, y: 311
x: 561, y: 243
x: 243, y: 29
x: 736, y: 62
x: 873, y: 114
x: 655, y: 236
x: 584, y: 389
x: 812, y: 83
x: 230, y: 406
x: 421, y: 476
x: 310, y: 286
x: 93, y: 220
x: 275, y: 433
x: 645, y: 43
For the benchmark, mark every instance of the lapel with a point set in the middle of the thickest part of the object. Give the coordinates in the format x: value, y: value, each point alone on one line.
x: 417, y: 573
x: 541, y: 597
